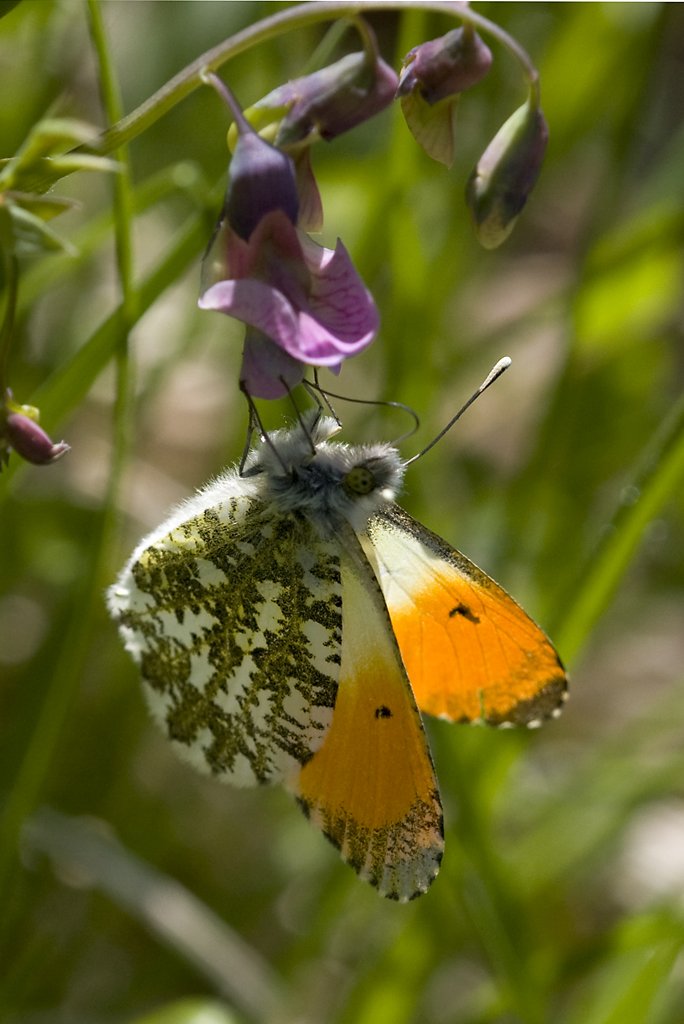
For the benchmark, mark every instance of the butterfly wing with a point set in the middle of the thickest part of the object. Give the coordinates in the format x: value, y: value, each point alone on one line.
x: 233, y: 615
x: 371, y: 786
x: 471, y: 653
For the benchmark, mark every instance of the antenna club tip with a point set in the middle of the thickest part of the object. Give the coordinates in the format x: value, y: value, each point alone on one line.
x: 495, y: 372
x: 503, y: 365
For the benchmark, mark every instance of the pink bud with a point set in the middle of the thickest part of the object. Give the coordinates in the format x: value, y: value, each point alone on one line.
x: 30, y: 441
x: 445, y: 66
x: 432, y: 78
x: 330, y: 101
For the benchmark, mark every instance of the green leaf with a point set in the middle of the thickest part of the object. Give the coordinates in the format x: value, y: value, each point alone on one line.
x: 45, y: 207
x: 44, y: 158
x: 29, y: 235
x: 656, y: 479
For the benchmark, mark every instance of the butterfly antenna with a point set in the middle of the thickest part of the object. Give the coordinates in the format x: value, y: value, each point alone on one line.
x: 493, y: 375
x: 314, y: 386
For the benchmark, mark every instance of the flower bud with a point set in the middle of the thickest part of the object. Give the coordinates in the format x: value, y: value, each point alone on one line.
x: 261, y: 179
x: 432, y: 78
x: 30, y: 441
x: 499, y: 186
x: 330, y: 101
x: 445, y: 66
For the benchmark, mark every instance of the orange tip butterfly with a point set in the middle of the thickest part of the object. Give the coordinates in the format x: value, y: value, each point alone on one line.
x: 290, y: 623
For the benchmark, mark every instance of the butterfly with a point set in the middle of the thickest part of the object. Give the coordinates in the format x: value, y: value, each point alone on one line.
x: 291, y: 621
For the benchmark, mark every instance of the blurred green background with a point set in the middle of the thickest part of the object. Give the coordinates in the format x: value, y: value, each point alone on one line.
x: 137, y: 891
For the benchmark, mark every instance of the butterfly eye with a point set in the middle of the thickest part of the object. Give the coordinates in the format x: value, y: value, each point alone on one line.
x: 359, y: 481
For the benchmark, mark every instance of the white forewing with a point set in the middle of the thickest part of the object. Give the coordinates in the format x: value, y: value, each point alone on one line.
x: 233, y: 614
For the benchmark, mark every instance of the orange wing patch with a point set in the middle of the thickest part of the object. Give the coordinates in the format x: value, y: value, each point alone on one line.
x: 371, y: 787
x: 471, y: 653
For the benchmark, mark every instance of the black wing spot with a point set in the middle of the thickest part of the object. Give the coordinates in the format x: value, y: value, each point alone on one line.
x: 383, y: 712
x: 465, y: 611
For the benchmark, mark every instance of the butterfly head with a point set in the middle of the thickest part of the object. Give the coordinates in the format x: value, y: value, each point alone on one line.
x: 329, y: 482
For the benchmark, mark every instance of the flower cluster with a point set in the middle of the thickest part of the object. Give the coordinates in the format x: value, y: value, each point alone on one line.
x: 433, y: 77
x: 304, y: 305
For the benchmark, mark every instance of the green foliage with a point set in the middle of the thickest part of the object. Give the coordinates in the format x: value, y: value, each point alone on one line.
x: 135, y: 891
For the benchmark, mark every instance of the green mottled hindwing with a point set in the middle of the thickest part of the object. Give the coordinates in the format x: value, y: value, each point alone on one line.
x: 234, y: 617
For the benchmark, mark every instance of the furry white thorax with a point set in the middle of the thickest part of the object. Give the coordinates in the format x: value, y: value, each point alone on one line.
x: 299, y: 470
x: 285, y: 472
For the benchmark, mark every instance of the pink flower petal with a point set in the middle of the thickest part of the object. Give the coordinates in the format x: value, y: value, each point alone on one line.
x: 342, y: 304
x: 304, y: 299
x: 310, y: 205
x: 256, y: 304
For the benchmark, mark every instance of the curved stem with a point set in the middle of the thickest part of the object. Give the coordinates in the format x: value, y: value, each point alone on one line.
x: 190, y: 78
x: 226, y: 94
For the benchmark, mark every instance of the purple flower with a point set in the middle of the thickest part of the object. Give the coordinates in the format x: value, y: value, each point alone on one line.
x: 303, y: 304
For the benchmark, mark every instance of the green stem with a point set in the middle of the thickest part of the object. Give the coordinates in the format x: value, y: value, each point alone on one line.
x: 123, y: 234
x: 296, y: 17
x: 11, y: 267
x: 123, y: 197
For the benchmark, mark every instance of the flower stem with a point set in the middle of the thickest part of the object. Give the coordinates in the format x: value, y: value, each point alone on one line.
x: 11, y: 268
x: 226, y: 94
x: 295, y: 17
x: 123, y: 238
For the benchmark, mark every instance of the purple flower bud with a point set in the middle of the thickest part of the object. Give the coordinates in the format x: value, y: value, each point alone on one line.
x: 499, y: 186
x: 432, y: 78
x: 445, y: 66
x: 30, y: 441
x: 331, y: 101
x: 261, y: 179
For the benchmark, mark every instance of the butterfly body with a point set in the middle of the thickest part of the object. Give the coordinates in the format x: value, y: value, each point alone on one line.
x: 299, y: 471
x: 277, y: 618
